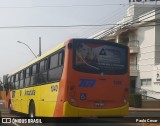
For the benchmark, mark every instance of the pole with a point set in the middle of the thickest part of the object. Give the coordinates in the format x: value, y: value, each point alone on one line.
x: 39, y: 46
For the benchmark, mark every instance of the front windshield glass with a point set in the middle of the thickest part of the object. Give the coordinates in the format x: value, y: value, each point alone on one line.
x: 100, y: 57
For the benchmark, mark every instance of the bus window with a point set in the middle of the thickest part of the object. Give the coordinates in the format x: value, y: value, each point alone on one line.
x: 61, y: 58
x: 34, y: 75
x: 12, y: 83
x: 27, y: 77
x: 22, y: 79
x: 17, y: 81
x: 53, y: 61
x: 100, y: 58
x: 43, y: 71
x: 55, y: 67
x: 9, y: 80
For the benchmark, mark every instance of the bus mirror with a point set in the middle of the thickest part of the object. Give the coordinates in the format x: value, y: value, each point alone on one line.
x: 70, y: 46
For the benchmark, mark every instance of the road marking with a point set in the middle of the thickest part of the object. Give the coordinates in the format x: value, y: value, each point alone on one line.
x: 16, y: 124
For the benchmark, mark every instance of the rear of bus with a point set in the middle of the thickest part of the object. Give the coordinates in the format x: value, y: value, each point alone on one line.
x: 97, y: 81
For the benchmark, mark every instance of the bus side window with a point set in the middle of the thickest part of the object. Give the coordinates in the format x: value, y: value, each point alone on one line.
x: 53, y: 64
x: 34, y: 75
x: 22, y: 79
x: 53, y: 61
x: 9, y: 82
x: 27, y: 77
x: 17, y: 81
x: 61, y: 58
x: 55, y: 67
x: 43, y: 71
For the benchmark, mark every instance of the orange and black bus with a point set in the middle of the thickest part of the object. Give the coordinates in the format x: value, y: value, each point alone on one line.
x: 79, y: 78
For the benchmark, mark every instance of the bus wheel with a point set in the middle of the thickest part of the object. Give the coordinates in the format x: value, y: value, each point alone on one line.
x: 32, y: 110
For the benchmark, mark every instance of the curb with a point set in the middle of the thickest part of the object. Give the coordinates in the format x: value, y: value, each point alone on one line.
x: 131, y: 109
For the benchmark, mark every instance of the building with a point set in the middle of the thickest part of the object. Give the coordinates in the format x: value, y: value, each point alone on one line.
x: 140, y: 30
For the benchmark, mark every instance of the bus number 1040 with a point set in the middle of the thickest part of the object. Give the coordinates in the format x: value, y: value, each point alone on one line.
x: 54, y: 88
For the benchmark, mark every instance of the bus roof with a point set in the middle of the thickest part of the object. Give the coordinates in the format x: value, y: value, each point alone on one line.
x: 41, y: 57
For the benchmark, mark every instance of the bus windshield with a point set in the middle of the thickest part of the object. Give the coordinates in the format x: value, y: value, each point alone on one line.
x: 100, y: 57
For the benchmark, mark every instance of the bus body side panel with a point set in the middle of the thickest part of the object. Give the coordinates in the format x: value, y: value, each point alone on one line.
x: 48, y: 99
x: 43, y: 96
x: 28, y: 94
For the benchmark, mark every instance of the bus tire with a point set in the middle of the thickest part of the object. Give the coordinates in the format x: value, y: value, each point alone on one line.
x: 32, y: 110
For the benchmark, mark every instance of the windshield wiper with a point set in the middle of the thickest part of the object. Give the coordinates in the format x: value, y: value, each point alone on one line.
x: 86, y: 62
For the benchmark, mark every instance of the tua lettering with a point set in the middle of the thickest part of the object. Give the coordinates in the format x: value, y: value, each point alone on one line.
x: 87, y: 83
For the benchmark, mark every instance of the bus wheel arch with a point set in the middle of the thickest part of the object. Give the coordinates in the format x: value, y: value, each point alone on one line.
x: 32, y: 109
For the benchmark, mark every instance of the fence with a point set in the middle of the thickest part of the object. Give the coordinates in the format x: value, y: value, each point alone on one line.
x: 147, y: 94
x: 2, y: 95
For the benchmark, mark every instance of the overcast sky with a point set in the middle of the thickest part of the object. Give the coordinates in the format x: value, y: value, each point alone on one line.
x: 15, y: 13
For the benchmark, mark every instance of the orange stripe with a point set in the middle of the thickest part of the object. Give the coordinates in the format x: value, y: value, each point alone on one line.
x: 62, y: 93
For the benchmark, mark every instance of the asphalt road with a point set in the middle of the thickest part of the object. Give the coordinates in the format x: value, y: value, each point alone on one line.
x: 126, y: 121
